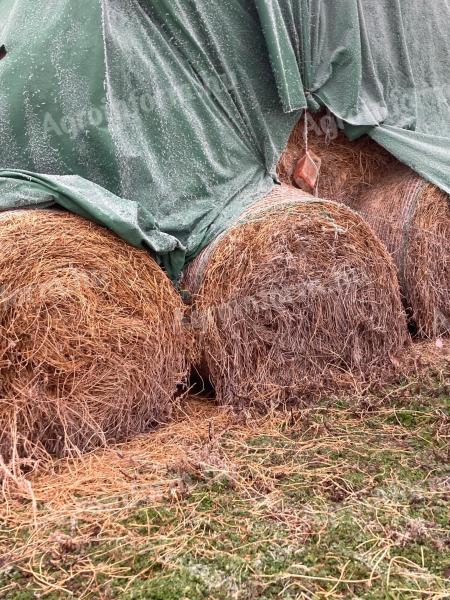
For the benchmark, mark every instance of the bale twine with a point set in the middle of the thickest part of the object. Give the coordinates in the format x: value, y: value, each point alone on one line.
x: 412, y: 217
x: 298, y: 298
x: 347, y: 168
x: 92, y: 345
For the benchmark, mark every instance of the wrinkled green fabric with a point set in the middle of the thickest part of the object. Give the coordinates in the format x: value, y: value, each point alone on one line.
x: 164, y: 119
x: 160, y: 120
x: 381, y: 66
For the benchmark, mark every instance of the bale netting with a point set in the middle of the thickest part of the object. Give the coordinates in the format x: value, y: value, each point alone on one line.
x: 297, y: 299
x: 412, y: 217
x: 92, y: 345
x: 347, y: 168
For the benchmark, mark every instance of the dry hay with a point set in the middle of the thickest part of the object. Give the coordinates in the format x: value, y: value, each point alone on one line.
x: 86, y: 531
x: 298, y: 298
x: 347, y: 168
x: 412, y: 217
x: 409, y: 215
x: 149, y: 468
x: 91, y: 339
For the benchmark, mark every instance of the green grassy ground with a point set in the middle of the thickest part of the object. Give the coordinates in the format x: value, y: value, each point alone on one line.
x: 348, y: 499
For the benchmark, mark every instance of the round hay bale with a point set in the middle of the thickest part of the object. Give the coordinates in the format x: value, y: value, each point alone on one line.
x: 347, y: 167
x: 92, y: 344
x: 412, y: 218
x: 298, y: 298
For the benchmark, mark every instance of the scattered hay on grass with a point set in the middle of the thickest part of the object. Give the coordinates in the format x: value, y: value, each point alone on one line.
x: 342, y: 498
x: 91, y: 339
x: 298, y: 299
x: 412, y: 218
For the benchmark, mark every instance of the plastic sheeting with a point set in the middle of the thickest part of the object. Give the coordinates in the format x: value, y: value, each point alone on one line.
x: 381, y: 66
x: 164, y: 119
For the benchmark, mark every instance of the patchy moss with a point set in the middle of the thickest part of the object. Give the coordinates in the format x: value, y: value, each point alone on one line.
x: 329, y: 502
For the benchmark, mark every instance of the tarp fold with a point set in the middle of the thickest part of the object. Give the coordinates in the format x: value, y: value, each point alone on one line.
x: 164, y: 119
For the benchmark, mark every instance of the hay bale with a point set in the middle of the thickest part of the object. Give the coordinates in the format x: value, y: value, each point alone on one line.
x: 412, y: 217
x: 347, y: 168
x: 91, y: 339
x: 298, y: 298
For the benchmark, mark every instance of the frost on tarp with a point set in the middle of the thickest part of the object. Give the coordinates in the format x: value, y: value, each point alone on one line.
x: 149, y: 102
x: 380, y: 66
x: 169, y: 116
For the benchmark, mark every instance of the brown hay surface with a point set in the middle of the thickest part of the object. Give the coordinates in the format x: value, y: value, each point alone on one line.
x: 299, y: 298
x: 412, y: 217
x: 84, y: 533
x: 91, y: 340
x: 347, y: 168
x: 413, y: 223
x: 150, y: 463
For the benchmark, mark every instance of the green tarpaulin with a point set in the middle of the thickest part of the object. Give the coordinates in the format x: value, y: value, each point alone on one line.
x: 164, y: 119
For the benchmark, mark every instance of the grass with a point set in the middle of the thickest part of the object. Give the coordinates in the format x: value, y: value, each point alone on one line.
x: 345, y: 499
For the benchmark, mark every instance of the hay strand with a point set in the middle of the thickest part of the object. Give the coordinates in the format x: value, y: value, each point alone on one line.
x: 347, y: 168
x: 412, y: 217
x: 299, y: 298
x: 91, y: 340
